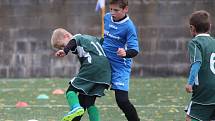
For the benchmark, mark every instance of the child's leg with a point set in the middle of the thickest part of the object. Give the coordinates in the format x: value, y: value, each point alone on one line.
x: 72, y: 99
x: 188, y: 118
x: 81, y: 99
x: 125, y: 105
x: 93, y: 113
x: 75, y: 109
x: 88, y: 102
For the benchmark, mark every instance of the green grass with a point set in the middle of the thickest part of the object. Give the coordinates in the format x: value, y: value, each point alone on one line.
x: 156, y: 99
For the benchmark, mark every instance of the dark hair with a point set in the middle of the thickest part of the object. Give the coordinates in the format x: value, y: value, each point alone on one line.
x: 122, y: 3
x: 201, y: 21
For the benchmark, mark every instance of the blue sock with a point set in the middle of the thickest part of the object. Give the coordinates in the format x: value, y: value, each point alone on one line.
x: 75, y: 106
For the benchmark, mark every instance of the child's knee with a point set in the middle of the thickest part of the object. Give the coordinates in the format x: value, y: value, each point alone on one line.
x: 187, y: 118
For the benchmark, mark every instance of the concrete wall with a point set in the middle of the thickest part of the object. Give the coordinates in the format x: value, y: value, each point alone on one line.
x: 26, y: 26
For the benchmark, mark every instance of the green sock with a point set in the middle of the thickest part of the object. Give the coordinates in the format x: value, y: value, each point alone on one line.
x: 72, y: 99
x: 93, y: 113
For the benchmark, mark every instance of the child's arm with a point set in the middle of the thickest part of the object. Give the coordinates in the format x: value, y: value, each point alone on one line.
x: 193, y: 74
x: 70, y: 46
x: 126, y: 53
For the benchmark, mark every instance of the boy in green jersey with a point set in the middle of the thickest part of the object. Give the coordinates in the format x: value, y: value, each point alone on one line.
x: 93, y: 77
x: 201, y: 81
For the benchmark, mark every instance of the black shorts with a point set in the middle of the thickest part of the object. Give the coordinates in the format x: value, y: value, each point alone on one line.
x: 201, y: 112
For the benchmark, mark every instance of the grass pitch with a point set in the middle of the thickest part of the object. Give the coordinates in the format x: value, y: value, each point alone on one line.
x: 156, y: 99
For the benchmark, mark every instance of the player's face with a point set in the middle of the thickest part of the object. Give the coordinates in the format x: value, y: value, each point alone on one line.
x: 60, y: 45
x: 63, y: 41
x: 192, y: 31
x: 117, y: 12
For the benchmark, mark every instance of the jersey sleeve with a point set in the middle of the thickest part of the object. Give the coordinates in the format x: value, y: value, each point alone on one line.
x: 193, y: 73
x: 194, y: 52
x: 71, y: 46
x: 100, y: 40
x: 132, y: 39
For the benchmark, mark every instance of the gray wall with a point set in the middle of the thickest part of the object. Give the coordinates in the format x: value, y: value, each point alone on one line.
x: 26, y: 26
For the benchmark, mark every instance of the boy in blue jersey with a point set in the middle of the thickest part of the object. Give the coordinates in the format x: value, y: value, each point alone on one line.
x: 201, y: 81
x: 121, y: 45
x: 93, y: 77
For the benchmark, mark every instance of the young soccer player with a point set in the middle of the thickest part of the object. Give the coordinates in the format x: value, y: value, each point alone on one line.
x: 94, y: 75
x: 121, y: 45
x: 201, y: 81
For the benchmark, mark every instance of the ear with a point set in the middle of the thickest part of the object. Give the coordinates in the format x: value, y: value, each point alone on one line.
x: 192, y: 28
x: 125, y: 9
x: 210, y: 27
x: 65, y: 36
x: 193, y: 31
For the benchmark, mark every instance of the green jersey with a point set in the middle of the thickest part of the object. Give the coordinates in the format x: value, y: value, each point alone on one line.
x: 202, y: 49
x: 95, y: 73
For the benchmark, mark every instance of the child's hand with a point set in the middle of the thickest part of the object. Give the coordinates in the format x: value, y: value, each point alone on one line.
x: 189, y: 88
x: 121, y: 52
x: 60, y: 53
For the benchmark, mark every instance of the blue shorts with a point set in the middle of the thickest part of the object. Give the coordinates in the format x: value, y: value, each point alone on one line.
x: 120, y: 76
x: 120, y: 70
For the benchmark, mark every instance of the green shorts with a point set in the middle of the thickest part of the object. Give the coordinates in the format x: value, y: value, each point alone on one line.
x: 201, y: 112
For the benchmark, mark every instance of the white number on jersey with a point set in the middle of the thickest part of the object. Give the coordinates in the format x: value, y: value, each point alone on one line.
x: 212, y: 62
x: 98, y: 48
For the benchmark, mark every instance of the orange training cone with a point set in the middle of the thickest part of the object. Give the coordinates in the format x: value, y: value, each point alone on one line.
x: 58, y: 92
x: 21, y: 104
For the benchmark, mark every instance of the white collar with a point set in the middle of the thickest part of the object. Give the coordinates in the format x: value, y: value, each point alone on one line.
x: 208, y: 35
x: 120, y: 22
x: 75, y: 35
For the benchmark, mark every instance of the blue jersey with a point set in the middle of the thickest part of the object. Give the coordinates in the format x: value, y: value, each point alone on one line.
x: 120, y: 34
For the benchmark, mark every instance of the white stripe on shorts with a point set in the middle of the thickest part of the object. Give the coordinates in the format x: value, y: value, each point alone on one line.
x: 189, y: 108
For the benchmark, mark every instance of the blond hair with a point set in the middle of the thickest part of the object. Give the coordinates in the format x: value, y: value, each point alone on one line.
x: 58, y: 36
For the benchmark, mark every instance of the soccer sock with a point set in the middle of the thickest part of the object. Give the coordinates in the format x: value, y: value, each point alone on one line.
x: 93, y: 113
x: 72, y: 99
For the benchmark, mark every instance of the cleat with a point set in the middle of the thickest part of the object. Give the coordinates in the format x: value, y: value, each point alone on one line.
x: 78, y: 118
x: 78, y: 111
